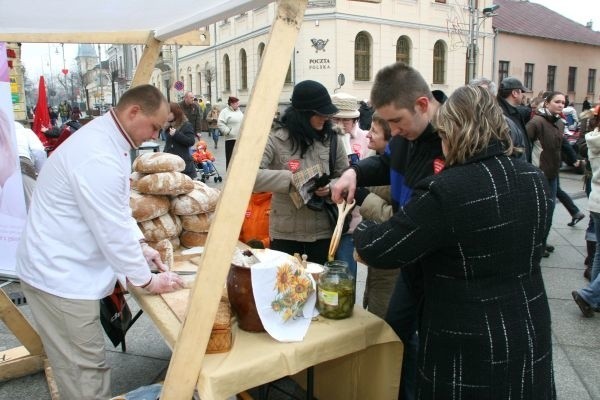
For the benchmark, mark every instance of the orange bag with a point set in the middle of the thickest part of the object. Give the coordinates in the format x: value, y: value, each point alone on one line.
x: 256, y: 221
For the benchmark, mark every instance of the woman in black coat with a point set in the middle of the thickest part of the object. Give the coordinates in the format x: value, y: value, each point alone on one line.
x: 478, y: 229
x: 180, y: 137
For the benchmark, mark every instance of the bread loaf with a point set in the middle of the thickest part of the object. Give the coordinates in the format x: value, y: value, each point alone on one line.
x: 134, y: 179
x: 160, y: 228
x: 165, y: 183
x: 151, y: 163
x: 200, y: 200
x: 193, y: 239
x: 165, y: 249
x: 197, y: 222
x: 174, y: 242
x: 148, y: 206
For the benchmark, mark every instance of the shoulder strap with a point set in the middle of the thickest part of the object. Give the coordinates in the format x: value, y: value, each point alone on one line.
x: 332, y: 153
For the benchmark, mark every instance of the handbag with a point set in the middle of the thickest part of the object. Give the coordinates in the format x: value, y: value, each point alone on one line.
x: 115, y: 315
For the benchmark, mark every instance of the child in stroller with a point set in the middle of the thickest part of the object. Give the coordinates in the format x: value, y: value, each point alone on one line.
x: 204, y: 160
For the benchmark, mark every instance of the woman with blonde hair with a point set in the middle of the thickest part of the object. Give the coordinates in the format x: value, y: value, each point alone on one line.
x: 477, y: 229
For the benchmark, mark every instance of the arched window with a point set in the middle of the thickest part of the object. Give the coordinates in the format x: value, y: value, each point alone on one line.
x: 439, y: 62
x: 362, y: 57
x: 198, y: 81
x: 288, y: 76
x: 261, y: 50
x: 227, y: 73
x: 243, y: 70
x: 403, y: 50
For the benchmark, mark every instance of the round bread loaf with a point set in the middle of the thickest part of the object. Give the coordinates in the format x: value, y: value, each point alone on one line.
x: 160, y: 228
x: 134, y: 179
x: 192, y: 239
x: 150, y: 163
x: 197, y: 222
x: 148, y: 206
x: 165, y: 249
x: 200, y: 200
x: 165, y: 183
x: 173, y: 239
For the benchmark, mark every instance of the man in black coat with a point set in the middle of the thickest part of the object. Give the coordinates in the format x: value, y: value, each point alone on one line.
x: 510, y: 97
x: 193, y: 112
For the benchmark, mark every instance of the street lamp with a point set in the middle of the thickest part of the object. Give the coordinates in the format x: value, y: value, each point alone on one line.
x: 474, y: 25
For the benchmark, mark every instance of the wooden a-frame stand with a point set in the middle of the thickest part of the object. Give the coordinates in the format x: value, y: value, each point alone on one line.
x: 28, y: 358
x: 186, y: 362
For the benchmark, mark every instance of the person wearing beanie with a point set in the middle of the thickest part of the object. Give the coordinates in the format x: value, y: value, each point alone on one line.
x: 301, y: 140
x: 357, y: 148
x: 229, y: 123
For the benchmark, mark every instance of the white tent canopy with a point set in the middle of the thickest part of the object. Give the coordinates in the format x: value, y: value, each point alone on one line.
x: 115, y: 21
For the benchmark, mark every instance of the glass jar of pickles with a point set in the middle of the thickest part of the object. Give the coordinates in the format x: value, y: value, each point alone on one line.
x: 335, y: 291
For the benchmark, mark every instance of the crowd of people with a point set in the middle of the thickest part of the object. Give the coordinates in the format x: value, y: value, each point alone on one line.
x: 454, y: 201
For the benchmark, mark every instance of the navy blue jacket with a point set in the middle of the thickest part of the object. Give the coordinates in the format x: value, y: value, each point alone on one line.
x: 403, y: 165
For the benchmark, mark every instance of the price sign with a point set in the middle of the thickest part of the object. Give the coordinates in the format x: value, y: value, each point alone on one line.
x: 178, y: 86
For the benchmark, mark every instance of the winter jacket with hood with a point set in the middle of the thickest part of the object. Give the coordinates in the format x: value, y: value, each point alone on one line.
x: 545, y: 131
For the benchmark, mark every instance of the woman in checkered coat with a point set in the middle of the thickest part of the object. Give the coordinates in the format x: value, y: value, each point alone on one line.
x: 478, y: 229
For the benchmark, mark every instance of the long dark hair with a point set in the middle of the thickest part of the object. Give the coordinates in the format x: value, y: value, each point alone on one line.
x: 302, y: 134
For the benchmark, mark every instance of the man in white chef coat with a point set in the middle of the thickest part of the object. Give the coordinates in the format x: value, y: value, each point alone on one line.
x: 80, y: 238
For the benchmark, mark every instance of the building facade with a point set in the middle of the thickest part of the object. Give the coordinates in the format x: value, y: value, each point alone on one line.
x: 17, y: 82
x: 342, y: 44
x: 546, y: 50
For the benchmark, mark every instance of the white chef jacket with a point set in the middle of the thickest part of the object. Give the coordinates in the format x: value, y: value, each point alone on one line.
x: 80, y: 235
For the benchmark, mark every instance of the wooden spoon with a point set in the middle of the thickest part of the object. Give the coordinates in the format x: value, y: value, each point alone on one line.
x: 343, y: 210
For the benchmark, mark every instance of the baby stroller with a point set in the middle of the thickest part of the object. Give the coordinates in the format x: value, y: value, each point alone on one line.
x: 204, y: 163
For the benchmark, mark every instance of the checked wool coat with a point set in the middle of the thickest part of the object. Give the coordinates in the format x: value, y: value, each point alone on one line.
x: 477, y: 229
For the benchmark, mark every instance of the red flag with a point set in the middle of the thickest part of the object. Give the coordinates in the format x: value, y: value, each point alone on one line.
x: 42, y: 117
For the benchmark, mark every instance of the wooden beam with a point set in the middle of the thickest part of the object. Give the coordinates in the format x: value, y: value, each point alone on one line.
x: 19, y: 326
x: 186, y: 361
x: 192, y: 38
x: 52, y: 387
x: 146, y: 65
x: 17, y: 362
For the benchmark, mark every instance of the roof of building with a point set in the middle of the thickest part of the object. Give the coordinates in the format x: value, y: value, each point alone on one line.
x: 522, y: 17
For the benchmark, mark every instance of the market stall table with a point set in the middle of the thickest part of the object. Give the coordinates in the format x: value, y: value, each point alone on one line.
x: 355, y: 358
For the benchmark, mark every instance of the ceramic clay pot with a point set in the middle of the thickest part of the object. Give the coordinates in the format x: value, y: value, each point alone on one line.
x: 239, y: 290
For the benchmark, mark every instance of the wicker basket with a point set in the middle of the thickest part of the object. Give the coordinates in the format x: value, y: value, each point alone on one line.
x: 220, y: 337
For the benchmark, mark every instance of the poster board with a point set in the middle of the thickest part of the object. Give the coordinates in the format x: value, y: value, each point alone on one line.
x: 12, y: 199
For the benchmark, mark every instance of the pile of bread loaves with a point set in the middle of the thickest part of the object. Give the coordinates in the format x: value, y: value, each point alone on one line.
x: 171, y: 209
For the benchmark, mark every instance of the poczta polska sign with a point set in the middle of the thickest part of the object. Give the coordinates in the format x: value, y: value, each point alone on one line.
x: 319, y: 63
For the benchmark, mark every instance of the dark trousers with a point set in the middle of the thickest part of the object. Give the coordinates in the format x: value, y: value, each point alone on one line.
x: 229, y: 145
x: 553, y: 185
x: 402, y: 317
x: 566, y: 200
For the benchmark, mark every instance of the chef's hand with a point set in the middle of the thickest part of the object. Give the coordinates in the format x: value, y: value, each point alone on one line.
x: 164, y: 282
x: 153, y: 258
x: 344, y: 187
